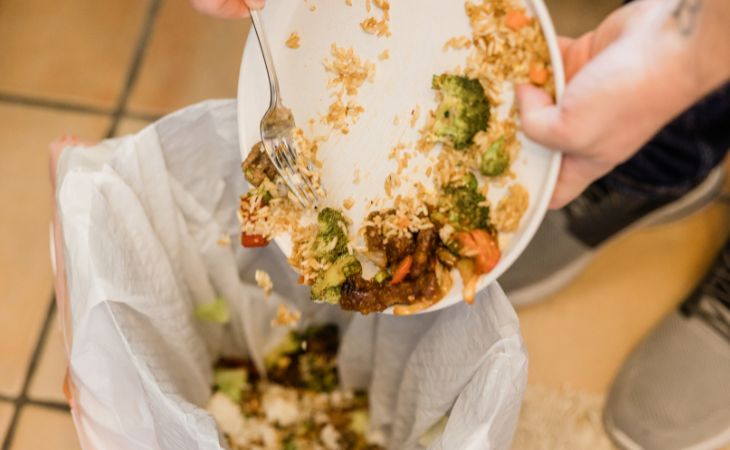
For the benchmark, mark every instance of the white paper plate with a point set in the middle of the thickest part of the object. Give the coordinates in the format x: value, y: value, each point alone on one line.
x: 419, y: 30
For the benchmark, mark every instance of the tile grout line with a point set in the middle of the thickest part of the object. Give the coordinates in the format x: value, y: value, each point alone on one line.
x: 52, y: 104
x: 48, y: 404
x: 135, y: 66
x: 70, y: 107
x: 22, y: 399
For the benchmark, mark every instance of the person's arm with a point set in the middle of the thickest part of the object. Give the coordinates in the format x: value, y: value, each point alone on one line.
x: 227, y: 9
x: 645, y: 64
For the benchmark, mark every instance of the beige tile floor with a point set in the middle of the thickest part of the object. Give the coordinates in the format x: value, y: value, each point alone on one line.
x: 103, y: 68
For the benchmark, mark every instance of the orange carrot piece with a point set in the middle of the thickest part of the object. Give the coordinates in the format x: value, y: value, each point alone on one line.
x: 516, y: 19
x: 538, y: 73
x: 402, y: 270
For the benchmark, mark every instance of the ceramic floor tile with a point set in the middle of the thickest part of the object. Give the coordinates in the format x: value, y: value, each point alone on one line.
x: 6, y: 414
x: 130, y: 126
x: 25, y: 274
x: 575, y: 17
x: 74, y: 50
x: 44, y: 429
x: 48, y: 377
x: 580, y: 336
x: 190, y: 58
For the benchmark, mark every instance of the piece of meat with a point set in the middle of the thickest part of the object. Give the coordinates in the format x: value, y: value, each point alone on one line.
x: 427, y: 287
x: 359, y: 294
x: 424, y: 253
x: 257, y: 166
x: 398, y: 247
x: 374, y: 235
x: 366, y: 296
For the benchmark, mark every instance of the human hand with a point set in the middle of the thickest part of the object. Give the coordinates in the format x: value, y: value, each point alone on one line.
x: 642, y: 66
x: 227, y: 9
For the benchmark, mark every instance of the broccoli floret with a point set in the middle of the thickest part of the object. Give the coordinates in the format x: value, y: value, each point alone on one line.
x: 290, y: 443
x: 332, y: 226
x: 306, y: 359
x: 327, y: 286
x: 463, y: 111
x: 382, y: 276
x: 318, y: 372
x: 291, y: 345
x: 460, y: 205
x: 231, y: 382
x: 495, y: 159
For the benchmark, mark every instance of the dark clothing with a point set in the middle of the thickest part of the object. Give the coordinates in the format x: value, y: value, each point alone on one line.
x: 683, y: 152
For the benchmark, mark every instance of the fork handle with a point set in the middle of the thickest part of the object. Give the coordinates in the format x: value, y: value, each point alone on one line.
x: 266, y: 53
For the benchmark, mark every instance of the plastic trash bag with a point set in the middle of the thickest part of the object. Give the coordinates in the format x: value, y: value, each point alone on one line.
x: 144, y: 218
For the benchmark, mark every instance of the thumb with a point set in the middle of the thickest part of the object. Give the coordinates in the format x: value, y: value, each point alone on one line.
x: 576, y: 174
x: 539, y: 115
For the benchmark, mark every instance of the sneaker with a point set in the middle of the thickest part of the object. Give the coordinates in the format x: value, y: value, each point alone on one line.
x: 674, y: 390
x: 568, y: 239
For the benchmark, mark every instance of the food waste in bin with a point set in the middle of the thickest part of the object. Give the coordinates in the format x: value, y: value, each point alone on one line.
x: 298, y: 404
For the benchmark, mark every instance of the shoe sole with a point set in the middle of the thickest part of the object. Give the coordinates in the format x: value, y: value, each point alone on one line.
x: 699, y: 197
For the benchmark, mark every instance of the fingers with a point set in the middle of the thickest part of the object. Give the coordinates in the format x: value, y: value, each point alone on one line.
x: 255, y: 4
x: 227, y: 9
x: 539, y: 115
x: 576, y: 173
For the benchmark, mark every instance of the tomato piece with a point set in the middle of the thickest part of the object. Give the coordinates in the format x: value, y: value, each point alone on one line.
x: 400, y: 272
x: 253, y: 240
x: 481, y: 247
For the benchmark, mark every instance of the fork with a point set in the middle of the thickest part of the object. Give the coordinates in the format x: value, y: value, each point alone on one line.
x: 276, y: 131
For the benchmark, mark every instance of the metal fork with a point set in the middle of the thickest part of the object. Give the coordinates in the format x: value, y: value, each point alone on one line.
x: 276, y: 131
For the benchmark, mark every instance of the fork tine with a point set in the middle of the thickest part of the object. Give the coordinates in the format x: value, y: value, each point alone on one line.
x: 297, y: 179
x: 306, y: 184
x: 301, y: 180
x: 272, y: 153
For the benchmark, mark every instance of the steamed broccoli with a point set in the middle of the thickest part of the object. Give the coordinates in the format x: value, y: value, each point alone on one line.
x: 495, y: 159
x: 463, y: 111
x: 332, y: 226
x: 460, y: 205
x: 327, y: 286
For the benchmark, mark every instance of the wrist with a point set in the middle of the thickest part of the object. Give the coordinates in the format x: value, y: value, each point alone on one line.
x: 701, y: 29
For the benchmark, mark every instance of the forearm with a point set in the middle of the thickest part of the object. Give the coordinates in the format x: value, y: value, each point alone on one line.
x: 702, y: 27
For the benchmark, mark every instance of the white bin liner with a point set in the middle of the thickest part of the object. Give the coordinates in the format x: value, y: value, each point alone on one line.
x: 142, y: 217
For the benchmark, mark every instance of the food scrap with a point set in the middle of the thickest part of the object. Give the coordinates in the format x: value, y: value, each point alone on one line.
x: 264, y: 281
x: 285, y: 317
x: 378, y: 27
x: 300, y: 405
x: 293, y: 41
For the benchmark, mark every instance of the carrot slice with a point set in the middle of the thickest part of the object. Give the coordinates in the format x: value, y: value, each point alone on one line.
x: 516, y: 19
x: 538, y: 74
x: 402, y: 270
x: 253, y: 240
